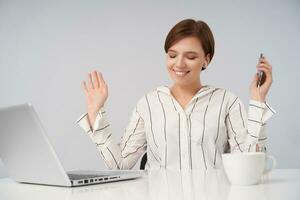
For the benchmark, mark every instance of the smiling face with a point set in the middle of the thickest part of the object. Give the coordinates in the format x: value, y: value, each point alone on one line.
x: 185, y: 60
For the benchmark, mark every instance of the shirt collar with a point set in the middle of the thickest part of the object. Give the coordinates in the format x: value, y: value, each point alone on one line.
x: 204, y: 90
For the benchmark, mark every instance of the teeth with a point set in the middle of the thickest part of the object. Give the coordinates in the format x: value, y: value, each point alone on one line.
x: 180, y: 73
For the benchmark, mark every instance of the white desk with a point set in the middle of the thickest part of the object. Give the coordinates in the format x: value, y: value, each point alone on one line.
x: 156, y: 185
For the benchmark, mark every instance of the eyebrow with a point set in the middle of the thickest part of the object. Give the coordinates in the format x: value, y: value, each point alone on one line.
x: 192, y: 52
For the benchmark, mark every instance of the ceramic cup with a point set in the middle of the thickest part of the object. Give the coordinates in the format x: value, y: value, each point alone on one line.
x: 246, y: 168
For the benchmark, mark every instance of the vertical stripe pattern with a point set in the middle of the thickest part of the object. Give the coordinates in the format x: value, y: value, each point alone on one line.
x: 176, y: 136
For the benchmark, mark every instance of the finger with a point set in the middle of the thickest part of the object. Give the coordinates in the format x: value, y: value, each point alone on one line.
x: 267, y: 73
x: 90, y: 82
x: 264, y: 66
x: 264, y: 60
x: 102, y: 82
x: 95, y: 79
x: 264, y: 69
x: 265, y: 63
x: 99, y: 79
x: 255, y: 79
x: 84, y: 87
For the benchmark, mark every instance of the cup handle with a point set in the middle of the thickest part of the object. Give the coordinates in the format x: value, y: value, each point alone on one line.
x: 269, y: 157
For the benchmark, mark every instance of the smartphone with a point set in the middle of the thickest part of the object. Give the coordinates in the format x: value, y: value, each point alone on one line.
x: 262, y: 75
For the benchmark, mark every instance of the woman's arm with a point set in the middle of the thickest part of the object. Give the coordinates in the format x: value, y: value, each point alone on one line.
x: 96, y: 124
x: 246, y: 131
x: 122, y: 155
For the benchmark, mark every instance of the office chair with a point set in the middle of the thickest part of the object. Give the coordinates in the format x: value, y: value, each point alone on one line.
x: 143, y: 161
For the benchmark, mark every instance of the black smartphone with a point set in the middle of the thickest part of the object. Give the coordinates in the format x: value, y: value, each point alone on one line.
x: 262, y: 75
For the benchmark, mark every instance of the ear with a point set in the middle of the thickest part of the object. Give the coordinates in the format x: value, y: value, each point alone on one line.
x: 207, y: 60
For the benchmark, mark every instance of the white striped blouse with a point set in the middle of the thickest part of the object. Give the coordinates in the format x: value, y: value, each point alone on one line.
x: 214, y: 122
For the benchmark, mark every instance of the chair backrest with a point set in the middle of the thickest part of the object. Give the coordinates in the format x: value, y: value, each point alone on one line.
x: 143, y: 161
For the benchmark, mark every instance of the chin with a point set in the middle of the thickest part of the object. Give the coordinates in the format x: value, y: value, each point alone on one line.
x: 181, y: 82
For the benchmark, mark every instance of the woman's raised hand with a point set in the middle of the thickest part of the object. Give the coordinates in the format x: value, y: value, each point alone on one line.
x: 96, y: 93
x: 260, y: 93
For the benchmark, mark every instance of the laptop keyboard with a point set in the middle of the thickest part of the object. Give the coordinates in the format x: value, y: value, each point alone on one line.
x: 83, y: 176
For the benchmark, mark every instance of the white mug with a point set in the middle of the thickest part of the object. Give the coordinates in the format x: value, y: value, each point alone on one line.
x: 246, y: 168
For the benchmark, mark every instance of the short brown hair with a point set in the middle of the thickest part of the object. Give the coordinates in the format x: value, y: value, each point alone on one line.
x: 191, y: 27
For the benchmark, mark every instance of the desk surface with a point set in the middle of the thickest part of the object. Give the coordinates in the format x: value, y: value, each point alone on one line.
x: 162, y: 184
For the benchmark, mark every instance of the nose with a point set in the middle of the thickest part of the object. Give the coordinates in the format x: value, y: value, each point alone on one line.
x: 179, y: 63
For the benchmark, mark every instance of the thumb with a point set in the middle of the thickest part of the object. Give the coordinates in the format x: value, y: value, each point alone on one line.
x: 255, y: 79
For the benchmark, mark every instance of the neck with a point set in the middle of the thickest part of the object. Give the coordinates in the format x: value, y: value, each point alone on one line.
x: 186, y: 90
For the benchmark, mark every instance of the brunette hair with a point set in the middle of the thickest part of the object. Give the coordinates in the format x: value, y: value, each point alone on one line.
x: 191, y: 27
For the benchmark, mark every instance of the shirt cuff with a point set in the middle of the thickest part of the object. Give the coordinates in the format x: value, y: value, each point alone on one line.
x: 83, y: 122
x: 260, y: 111
x: 100, y: 120
x: 269, y: 112
x: 258, y: 114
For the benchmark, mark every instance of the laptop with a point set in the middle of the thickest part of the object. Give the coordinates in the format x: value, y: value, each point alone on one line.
x: 29, y: 156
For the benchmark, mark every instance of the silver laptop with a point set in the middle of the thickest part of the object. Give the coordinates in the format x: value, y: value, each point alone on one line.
x: 30, y: 158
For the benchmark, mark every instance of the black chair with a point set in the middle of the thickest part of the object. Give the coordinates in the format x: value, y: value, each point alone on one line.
x: 143, y: 161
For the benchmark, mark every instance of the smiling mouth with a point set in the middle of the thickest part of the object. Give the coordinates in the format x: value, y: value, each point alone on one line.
x: 181, y: 73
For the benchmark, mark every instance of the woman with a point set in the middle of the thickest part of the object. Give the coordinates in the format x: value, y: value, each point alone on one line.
x: 185, y: 126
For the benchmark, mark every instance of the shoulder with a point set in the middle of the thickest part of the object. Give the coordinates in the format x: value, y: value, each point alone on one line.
x: 152, y: 95
x: 228, y: 97
x: 221, y: 91
x: 146, y: 100
x: 143, y: 99
x: 155, y: 92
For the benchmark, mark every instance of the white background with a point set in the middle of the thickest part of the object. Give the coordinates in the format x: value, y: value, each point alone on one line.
x: 48, y: 47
